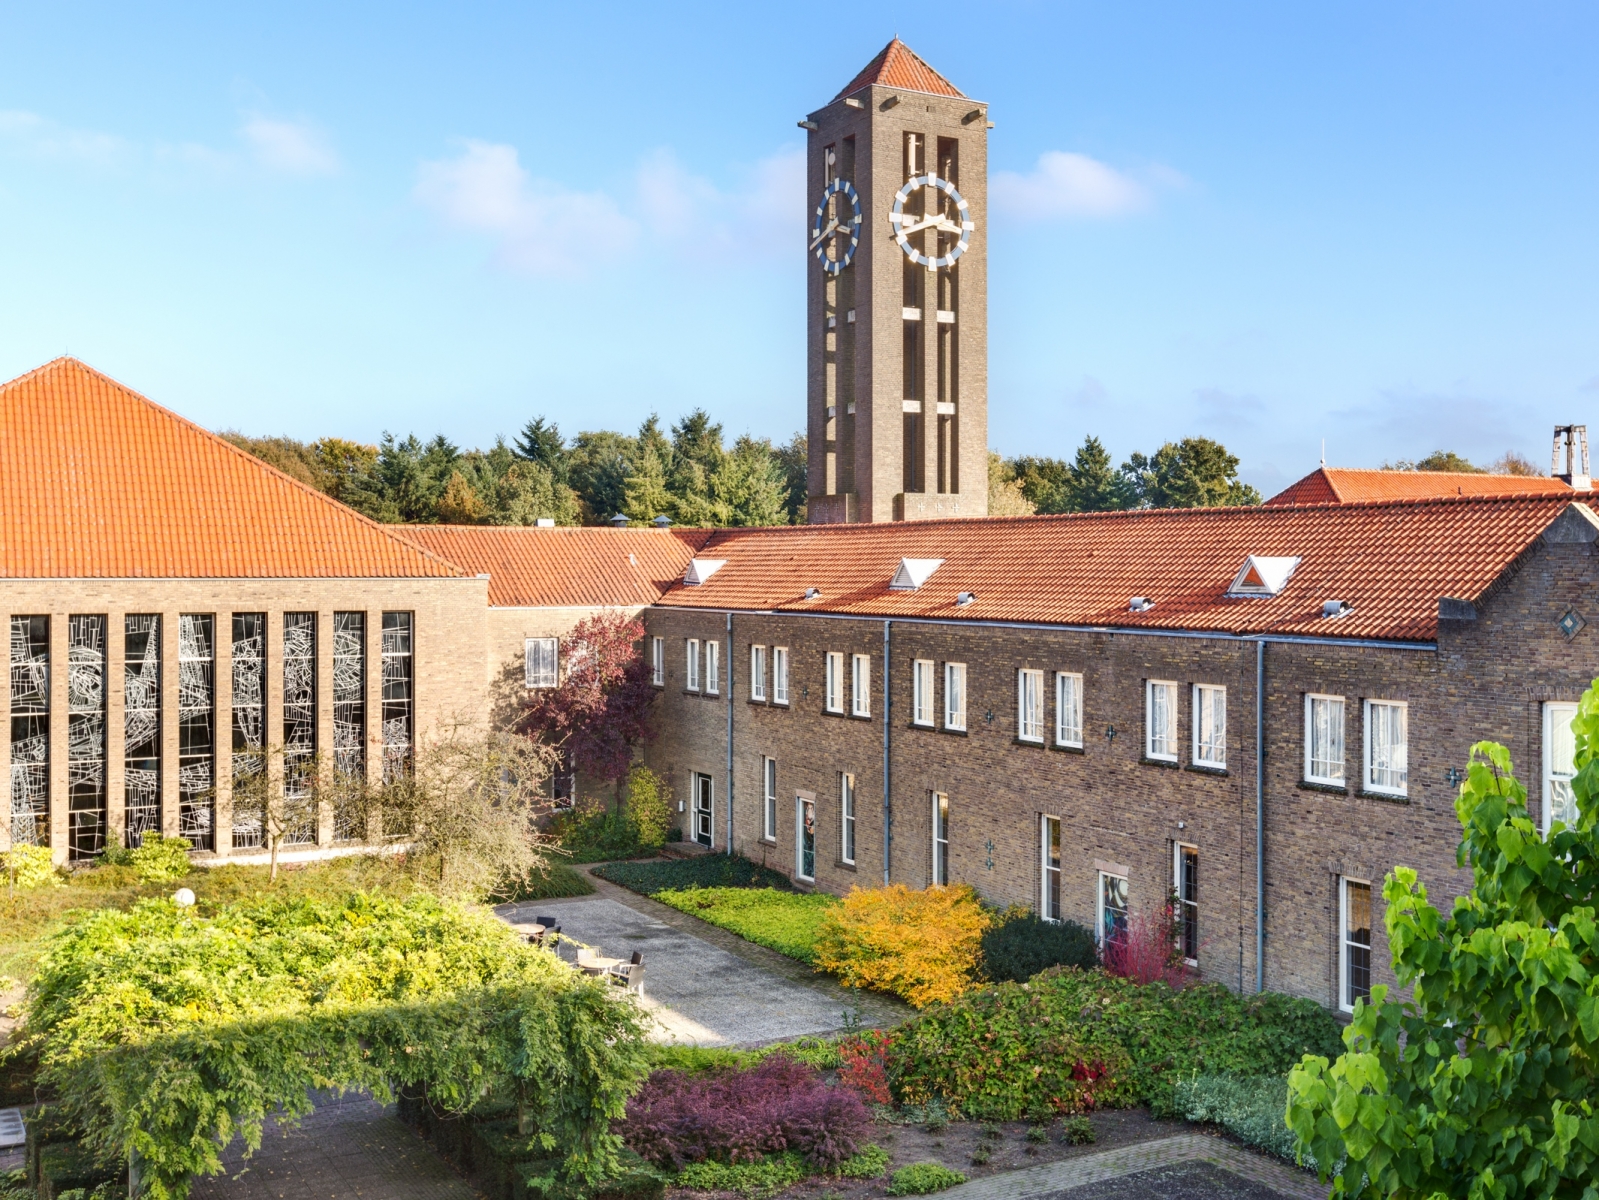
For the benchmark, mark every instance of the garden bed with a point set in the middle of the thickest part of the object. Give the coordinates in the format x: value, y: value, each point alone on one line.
x: 783, y: 921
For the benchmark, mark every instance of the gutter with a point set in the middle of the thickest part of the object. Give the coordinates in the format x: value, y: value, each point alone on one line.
x: 730, y: 691
x: 1260, y: 815
x: 888, y: 791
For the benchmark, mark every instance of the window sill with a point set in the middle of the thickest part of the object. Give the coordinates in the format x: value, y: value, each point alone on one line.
x: 759, y: 703
x: 927, y: 725
x: 834, y: 712
x: 1385, y: 797
x: 1070, y: 749
x: 1038, y: 742
x: 769, y: 841
x: 1172, y: 763
x: 1206, y: 769
x: 855, y: 716
x: 692, y: 692
x: 841, y: 865
x: 779, y: 703
x: 953, y: 732
x: 1332, y: 789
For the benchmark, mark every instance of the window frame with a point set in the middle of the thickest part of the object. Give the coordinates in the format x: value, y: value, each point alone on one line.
x: 713, y: 667
x: 1552, y: 709
x: 691, y: 650
x: 1100, y: 875
x: 955, y: 718
x: 1197, y: 704
x: 833, y: 688
x: 1171, y: 690
x: 860, y: 685
x: 940, y: 820
x: 769, y: 798
x: 1368, y: 743
x: 1030, y: 703
x: 780, y: 675
x: 846, y: 818
x: 658, y: 661
x: 1186, y: 910
x: 1049, y: 897
x: 758, y: 674
x: 922, y: 692
x: 1311, y: 700
x: 801, y: 799
x: 1061, y: 729
x: 554, y: 674
x: 1345, y: 980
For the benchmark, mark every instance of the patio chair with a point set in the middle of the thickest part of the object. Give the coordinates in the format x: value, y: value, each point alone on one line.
x: 630, y: 975
x: 550, y: 936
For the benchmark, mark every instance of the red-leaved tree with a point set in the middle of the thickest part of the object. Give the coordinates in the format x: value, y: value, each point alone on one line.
x: 600, y: 709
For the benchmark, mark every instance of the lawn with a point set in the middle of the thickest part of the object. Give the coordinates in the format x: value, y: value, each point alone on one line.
x: 783, y: 921
x: 701, y: 871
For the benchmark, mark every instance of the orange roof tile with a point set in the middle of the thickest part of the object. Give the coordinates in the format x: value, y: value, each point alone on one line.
x: 898, y: 66
x: 98, y: 482
x: 539, y: 568
x: 1339, y: 485
x: 1391, y: 561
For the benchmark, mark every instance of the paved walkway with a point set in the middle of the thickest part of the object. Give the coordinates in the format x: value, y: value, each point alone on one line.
x: 1174, y: 1167
x: 703, y: 985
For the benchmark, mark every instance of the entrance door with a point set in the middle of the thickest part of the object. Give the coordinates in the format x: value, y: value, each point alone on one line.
x: 702, y: 810
x: 805, y: 837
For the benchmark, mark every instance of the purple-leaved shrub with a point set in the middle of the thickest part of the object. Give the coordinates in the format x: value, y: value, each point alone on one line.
x: 739, y: 1116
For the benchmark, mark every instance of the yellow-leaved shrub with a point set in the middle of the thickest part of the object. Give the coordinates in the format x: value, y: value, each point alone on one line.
x: 922, y: 945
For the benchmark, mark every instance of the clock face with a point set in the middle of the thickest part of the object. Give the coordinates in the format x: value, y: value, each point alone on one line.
x: 836, y: 229
x: 946, y: 213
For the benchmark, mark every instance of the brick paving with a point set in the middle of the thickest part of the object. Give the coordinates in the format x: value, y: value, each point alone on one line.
x: 1055, y: 1179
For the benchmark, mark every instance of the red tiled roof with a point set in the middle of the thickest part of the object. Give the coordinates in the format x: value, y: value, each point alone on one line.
x: 539, y: 568
x: 1338, y: 485
x: 1392, y: 562
x: 98, y: 482
x: 898, y: 66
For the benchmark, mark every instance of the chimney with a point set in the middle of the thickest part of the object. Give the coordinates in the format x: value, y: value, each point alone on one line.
x: 1573, y: 436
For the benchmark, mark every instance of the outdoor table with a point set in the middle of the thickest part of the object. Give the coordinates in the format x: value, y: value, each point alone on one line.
x: 599, y: 966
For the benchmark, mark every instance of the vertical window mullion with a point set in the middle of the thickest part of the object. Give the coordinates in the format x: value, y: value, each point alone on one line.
x: 141, y: 726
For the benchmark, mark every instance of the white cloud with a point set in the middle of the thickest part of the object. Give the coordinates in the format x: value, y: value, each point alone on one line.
x: 45, y: 138
x: 293, y: 147
x: 765, y: 216
x: 541, y: 227
x: 1063, y: 185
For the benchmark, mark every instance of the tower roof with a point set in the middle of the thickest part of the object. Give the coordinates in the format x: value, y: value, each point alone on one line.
x: 898, y: 66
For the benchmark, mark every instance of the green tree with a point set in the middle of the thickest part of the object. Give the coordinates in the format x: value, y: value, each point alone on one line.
x: 1043, y: 481
x: 406, y: 481
x: 1192, y: 473
x: 1093, y: 484
x: 1438, y: 460
x: 598, y: 465
x: 644, y: 493
x: 748, y: 486
x: 541, y: 442
x: 1486, y: 1083
x: 793, y: 459
x: 1005, y: 497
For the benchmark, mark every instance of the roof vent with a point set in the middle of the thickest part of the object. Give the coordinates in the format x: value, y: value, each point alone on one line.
x: 913, y: 572
x: 813, y: 593
x: 663, y: 522
x: 545, y: 523
x: 1140, y: 604
x: 1263, y: 576
x: 965, y: 598
x: 1335, y: 608
x: 619, y: 521
x: 700, y: 570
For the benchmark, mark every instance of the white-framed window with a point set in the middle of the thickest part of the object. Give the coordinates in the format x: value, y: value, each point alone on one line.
x: 940, y: 839
x: 1354, y: 942
x: 1112, y: 908
x: 1160, y: 720
x: 1030, y: 706
x: 692, y: 665
x: 834, y: 700
x: 1185, y: 894
x: 769, y: 799
x: 1324, y: 739
x: 1049, y: 868
x: 954, y: 695
x: 846, y: 817
x: 658, y: 661
x: 1068, y: 709
x: 805, y: 836
x: 757, y: 672
x: 1387, y: 754
x: 779, y: 674
x: 1210, y: 725
x: 922, y: 691
x: 541, y: 661
x: 1559, y: 764
x: 713, y: 668
x: 861, y: 685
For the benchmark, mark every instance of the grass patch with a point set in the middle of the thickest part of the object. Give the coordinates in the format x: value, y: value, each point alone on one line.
x: 821, y: 1053
x: 701, y: 871
x: 783, y: 921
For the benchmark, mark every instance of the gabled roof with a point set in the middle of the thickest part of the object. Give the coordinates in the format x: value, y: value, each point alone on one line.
x: 555, y: 568
x: 98, y: 482
x: 1338, y: 485
x: 1392, y: 562
x: 898, y: 66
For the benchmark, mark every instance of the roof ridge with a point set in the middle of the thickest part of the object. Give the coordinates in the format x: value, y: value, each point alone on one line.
x: 321, y: 496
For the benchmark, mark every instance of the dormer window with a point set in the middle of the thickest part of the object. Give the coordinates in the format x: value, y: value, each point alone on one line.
x: 913, y: 572
x: 700, y: 570
x: 1263, y: 575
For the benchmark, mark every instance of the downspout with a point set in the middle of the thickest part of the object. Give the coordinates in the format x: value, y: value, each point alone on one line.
x: 888, y: 806
x: 1260, y: 815
x: 730, y: 733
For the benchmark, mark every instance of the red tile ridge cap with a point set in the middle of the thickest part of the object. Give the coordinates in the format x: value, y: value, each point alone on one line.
x: 322, y: 497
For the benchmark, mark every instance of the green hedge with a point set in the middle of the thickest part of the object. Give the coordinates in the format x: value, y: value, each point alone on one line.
x: 701, y: 871
x: 168, y: 1032
x: 1021, y: 945
x: 782, y: 921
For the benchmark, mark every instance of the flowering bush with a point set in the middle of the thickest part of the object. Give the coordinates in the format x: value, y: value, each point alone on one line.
x: 1146, y: 951
x: 742, y: 1116
x: 922, y: 945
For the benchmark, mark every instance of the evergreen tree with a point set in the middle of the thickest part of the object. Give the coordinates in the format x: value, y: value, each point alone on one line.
x: 1092, y: 484
x: 1192, y: 473
x: 749, y: 487
x: 598, y: 465
x: 541, y: 442
x: 793, y: 459
x: 644, y: 494
x: 1042, y: 481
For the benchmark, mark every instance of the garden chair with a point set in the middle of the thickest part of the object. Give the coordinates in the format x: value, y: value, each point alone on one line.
x: 630, y: 975
x: 551, y: 935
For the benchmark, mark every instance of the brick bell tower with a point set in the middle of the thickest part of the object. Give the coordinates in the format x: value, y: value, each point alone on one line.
x: 897, y: 301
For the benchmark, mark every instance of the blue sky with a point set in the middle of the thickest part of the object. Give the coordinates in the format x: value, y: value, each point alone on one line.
x: 1265, y: 223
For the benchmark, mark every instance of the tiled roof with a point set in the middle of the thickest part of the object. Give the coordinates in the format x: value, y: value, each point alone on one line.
x: 1391, y: 561
x: 538, y: 568
x: 898, y: 66
x: 98, y: 482
x: 1337, y: 485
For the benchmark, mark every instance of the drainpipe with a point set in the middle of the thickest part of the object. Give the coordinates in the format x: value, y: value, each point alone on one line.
x: 729, y: 660
x: 888, y: 807
x: 1260, y: 815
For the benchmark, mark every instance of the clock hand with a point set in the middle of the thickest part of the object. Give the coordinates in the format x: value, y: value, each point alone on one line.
x: 824, y: 235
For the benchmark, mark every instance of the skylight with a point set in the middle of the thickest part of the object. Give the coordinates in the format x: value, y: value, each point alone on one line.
x: 913, y: 572
x: 1262, y: 575
x: 701, y: 569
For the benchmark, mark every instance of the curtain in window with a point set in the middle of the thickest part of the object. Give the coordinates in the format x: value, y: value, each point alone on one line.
x: 1162, y: 720
x: 955, y: 695
x: 1068, y: 710
x: 1388, y: 754
x: 1210, y: 726
x: 1326, y: 738
x: 543, y: 662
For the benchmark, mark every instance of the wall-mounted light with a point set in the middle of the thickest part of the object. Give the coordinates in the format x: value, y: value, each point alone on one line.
x: 1454, y: 776
x: 1110, y: 733
x: 989, y: 716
